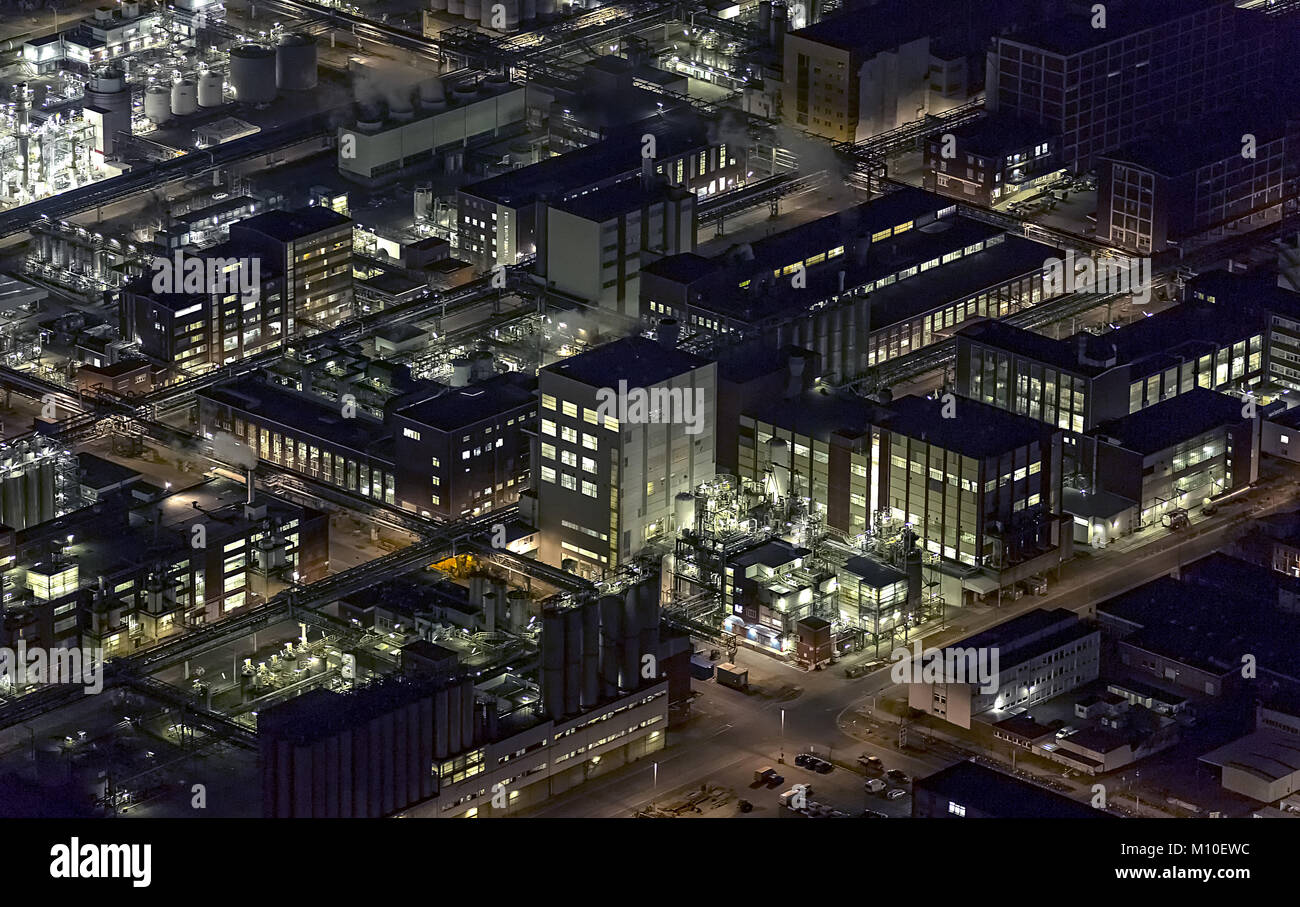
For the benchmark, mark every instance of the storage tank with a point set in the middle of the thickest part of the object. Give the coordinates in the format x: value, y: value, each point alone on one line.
x: 648, y: 611
x: 528, y: 10
x: 474, y: 9
x: 481, y: 366
x: 295, y: 62
x: 461, y: 368
x: 553, y: 663
x: 438, y: 6
x: 572, y: 661
x: 611, y: 641
x: 158, y: 103
x: 456, y: 7
x: 684, y: 511
x: 211, y: 90
x: 185, y: 97
x: 465, y: 92
x: 630, y: 645
x: 546, y: 7
x: 764, y: 19
x: 511, y: 15
x: 590, y: 653
x: 108, y: 91
x: 252, y: 73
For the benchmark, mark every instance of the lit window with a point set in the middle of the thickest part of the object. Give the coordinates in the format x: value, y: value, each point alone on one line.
x: 548, y: 427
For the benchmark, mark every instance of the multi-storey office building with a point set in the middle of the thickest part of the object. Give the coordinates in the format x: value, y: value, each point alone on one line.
x: 464, y: 451
x: 1155, y: 62
x: 312, y: 248
x: 994, y: 161
x: 1196, y: 179
x: 607, y: 475
x: 503, y: 219
x: 1040, y: 655
x: 189, y: 332
x: 597, y: 241
x: 858, y: 288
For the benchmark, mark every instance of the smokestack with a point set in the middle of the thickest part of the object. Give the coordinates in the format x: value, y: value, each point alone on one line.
x: 252, y: 485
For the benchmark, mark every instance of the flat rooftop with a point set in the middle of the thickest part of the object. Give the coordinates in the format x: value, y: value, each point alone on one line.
x: 463, y: 406
x: 1170, y: 422
x: 978, y: 430
x: 638, y: 361
x: 286, y: 226
x: 997, y: 794
x: 558, y: 177
x: 1073, y: 33
x: 1031, y: 634
x: 305, y: 413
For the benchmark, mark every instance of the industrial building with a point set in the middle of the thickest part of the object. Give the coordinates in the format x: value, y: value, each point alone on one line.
x: 1172, y: 61
x: 858, y: 288
x: 1176, y: 455
x: 968, y: 790
x: 1039, y: 656
x: 502, y: 220
x: 596, y: 243
x: 996, y: 160
x: 312, y: 248
x: 607, y: 477
x: 465, y: 451
x: 1150, y: 198
x: 130, y: 572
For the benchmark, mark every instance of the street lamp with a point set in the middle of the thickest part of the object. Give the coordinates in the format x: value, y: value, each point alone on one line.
x: 781, y: 760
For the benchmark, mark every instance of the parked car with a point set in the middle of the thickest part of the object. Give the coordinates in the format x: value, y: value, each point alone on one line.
x: 873, y: 814
x: 871, y: 763
x: 821, y: 766
x: 1036, y: 585
x: 874, y: 786
x: 802, y: 759
x: 898, y: 777
x: 895, y: 794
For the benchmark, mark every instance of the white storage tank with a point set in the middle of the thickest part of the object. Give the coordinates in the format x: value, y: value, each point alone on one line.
x: 158, y: 103
x: 211, y: 90
x: 295, y: 62
x: 185, y: 97
x: 252, y: 74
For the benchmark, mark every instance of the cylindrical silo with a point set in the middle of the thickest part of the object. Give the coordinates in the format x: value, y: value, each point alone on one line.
x: 474, y: 9
x: 455, y: 735
x: 764, y: 19
x: 590, y: 653
x: 467, y: 738
x: 572, y: 661
x: 456, y: 7
x: 158, y: 103
x: 438, y: 6
x: 509, y: 20
x: 252, y: 73
x: 295, y: 62
x: 517, y: 602
x: 648, y: 612
x: 546, y: 7
x: 185, y: 97
x: 211, y: 89
x: 684, y: 511
x: 611, y: 640
x: 631, y: 644
x: 553, y: 664
x: 528, y: 11
x: 441, y: 719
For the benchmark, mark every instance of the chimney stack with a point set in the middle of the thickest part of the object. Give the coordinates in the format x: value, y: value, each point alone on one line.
x: 249, y: 481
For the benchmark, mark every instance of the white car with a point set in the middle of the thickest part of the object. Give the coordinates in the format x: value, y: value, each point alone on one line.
x: 895, y: 794
x: 874, y: 786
